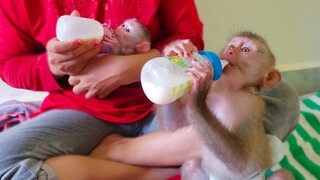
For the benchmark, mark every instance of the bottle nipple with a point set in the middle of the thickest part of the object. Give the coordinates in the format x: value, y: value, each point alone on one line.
x: 224, y: 63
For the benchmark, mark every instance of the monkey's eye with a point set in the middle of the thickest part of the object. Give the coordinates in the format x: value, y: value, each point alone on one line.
x: 245, y: 49
x: 232, y: 46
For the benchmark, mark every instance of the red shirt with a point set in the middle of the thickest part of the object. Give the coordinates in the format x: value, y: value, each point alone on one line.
x: 27, y: 26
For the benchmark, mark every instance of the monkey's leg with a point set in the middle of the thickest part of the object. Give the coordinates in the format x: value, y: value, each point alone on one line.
x: 192, y: 170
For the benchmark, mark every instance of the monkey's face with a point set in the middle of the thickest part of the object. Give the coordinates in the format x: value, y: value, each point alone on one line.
x: 243, y: 54
x: 126, y: 32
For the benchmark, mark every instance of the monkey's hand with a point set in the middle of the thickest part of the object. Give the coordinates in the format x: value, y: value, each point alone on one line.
x: 201, y: 74
x: 108, y: 31
x: 113, y: 43
x: 182, y: 48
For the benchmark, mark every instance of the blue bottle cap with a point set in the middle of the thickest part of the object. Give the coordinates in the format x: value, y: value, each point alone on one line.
x: 215, y: 61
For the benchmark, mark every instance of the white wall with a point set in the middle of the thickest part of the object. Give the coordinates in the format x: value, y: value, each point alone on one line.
x: 292, y: 27
x: 7, y: 93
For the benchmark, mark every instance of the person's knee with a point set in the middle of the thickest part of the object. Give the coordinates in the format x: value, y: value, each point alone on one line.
x: 20, y: 168
x: 103, y: 148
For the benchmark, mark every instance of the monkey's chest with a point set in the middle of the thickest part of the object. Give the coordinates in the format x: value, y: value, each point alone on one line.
x: 230, y: 111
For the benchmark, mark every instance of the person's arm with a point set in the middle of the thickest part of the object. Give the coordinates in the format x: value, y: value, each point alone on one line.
x: 180, y: 20
x: 22, y: 59
x: 155, y: 149
x: 26, y: 59
x: 108, y: 72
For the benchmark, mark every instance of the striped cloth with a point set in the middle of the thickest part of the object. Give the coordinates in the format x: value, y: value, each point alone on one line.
x: 303, y: 156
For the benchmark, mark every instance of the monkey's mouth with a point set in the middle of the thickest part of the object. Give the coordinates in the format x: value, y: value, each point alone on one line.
x: 226, y: 64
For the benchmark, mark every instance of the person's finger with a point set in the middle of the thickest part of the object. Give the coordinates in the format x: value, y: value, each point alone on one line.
x: 75, y: 13
x: 105, y: 93
x: 87, y: 55
x: 73, y: 80
x: 78, y: 89
x: 91, y: 94
x: 60, y: 47
x: 178, y: 50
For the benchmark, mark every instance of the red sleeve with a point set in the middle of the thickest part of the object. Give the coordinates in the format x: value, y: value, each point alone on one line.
x: 180, y: 20
x: 23, y: 61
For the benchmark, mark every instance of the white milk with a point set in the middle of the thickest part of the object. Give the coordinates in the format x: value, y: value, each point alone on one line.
x: 163, y: 81
x: 166, y: 93
x: 71, y: 27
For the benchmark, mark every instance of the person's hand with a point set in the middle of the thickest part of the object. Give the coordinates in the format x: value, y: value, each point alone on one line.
x: 70, y: 57
x: 105, y: 73
x: 182, y: 48
x: 100, y: 77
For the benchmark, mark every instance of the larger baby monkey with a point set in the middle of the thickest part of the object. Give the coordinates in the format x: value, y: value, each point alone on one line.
x: 227, y: 114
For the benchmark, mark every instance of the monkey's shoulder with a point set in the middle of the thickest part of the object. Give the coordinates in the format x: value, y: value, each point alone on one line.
x: 237, y: 107
x: 240, y: 101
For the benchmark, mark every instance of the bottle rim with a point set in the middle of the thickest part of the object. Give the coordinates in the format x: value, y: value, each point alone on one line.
x: 215, y: 61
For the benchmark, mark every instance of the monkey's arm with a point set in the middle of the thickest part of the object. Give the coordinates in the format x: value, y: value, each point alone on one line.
x: 230, y: 147
x: 240, y: 141
x: 171, y: 116
x: 230, y: 139
x: 237, y: 138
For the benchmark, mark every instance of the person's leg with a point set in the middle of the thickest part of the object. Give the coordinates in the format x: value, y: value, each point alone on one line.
x: 146, y: 126
x: 155, y: 149
x: 24, y: 147
x: 83, y: 167
x: 167, y: 149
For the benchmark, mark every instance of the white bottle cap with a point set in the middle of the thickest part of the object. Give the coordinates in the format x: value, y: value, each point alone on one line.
x: 71, y: 27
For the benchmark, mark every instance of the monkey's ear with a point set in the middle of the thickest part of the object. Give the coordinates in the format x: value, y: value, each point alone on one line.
x: 143, y: 47
x: 271, y: 78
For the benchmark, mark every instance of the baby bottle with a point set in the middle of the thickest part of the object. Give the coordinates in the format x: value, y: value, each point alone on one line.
x: 71, y: 27
x: 163, y: 79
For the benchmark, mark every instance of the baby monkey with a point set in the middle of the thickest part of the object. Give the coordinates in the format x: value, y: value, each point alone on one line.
x: 129, y: 38
x: 227, y: 114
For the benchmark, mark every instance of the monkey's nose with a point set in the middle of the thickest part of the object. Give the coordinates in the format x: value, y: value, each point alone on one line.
x: 227, y: 54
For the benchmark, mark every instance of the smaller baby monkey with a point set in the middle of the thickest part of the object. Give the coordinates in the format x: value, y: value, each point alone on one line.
x: 227, y: 114
x: 128, y: 38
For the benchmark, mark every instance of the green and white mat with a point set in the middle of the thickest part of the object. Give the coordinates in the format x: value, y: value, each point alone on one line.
x: 303, y: 155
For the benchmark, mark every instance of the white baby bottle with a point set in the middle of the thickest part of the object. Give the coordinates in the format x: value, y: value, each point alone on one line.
x: 164, y: 80
x: 70, y: 27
